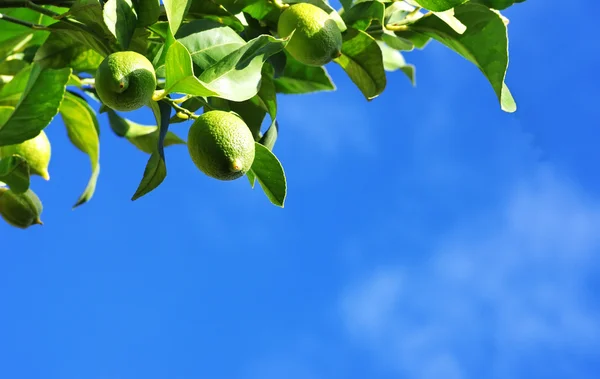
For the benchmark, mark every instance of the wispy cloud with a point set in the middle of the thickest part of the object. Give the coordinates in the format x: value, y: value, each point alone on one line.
x: 504, y: 289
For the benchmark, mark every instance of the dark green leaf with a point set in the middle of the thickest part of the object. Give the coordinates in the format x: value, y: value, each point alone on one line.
x: 270, y: 137
x: 144, y: 137
x: 363, y: 62
x: 362, y: 14
x: 61, y: 50
x: 485, y: 43
x: 299, y: 78
x: 101, y: 46
x: 37, y: 105
x: 213, y: 10
x: 12, y: 67
x: 14, y: 171
x: 154, y: 174
x: 148, y: 11
x: 270, y: 175
x: 439, y: 5
x: 252, y: 112
x: 121, y: 20
x: 89, y: 12
x: 396, y: 42
x: 498, y: 4
x: 156, y: 168
x: 83, y: 131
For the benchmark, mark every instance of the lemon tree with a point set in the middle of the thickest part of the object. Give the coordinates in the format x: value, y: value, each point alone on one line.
x: 215, y: 67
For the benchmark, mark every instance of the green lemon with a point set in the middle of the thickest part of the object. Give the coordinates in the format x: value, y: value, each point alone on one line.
x: 36, y: 151
x: 316, y: 40
x: 21, y: 210
x: 125, y: 81
x: 221, y: 145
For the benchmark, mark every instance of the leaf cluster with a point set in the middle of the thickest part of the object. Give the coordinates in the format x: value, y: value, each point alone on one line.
x: 213, y: 55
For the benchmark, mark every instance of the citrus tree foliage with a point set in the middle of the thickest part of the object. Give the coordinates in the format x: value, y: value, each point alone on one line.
x: 209, y: 55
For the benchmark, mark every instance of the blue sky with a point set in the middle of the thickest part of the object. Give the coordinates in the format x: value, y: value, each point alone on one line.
x: 426, y: 234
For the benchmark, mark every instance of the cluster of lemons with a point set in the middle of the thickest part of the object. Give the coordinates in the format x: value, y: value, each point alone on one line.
x: 220, y: 143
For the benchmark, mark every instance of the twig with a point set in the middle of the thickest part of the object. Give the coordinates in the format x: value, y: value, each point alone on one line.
x: 278, y: 4
x: 22, y: 23
x: 21, y: 3
x: 179, y: 108
x: 38, y: 8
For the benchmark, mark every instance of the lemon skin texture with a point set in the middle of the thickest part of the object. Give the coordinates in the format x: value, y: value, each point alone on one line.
x: 125, y: 81
x: 221, y: 145
x: 317, y: 39
x: 36, y: 151
x: 20, y: 210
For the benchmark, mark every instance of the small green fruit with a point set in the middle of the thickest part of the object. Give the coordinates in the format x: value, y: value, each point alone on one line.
x: 316, y: 40
x: 36, y: 151
x: 125, y: 81
x: 21, y: 210
x: 221, y: 145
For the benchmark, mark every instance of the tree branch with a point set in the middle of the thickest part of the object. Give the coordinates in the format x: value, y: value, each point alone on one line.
x: 22, y: 3
x: 22, y: 23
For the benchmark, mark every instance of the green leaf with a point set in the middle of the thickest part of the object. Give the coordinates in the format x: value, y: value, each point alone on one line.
x: 270, y: 175
x: 237, y: 76
x: 156, y: 168
x: 11, y: 30
x: 90, y: 13
x: 176, y: 10
x: 121, y: 20
x: 83, y: 131
x: 362, y: 14
x: 498, y: 4
x: 215, y: 11
x: 5, y: 112
x: 393, y: 60
x: 87, y: 40
x: 14, y: 44
x: 396, y: 42
x: 61, y: 50
x: 363, y: 62
x: 12, y: 67
x: 208, y: 41
x: 270, y: 137
x: 37, y: 105
x: 251, y: 178
x: 485, y: 44
x: 14, y: 171
x: 12, y: 91
x: 299, y: 78
x: 439, y: 5
x: 252, y: 112
x: 180, y: 73
x: 148, y: 11
x: 144, y: 137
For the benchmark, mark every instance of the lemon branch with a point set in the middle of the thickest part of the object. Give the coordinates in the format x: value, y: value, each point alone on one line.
x: 21, y: 3
x: 278, y: 4
x: 180, y: 109
x: 22, y: 23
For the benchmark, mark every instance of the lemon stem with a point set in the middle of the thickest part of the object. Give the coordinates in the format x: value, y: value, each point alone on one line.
x: 22, y: 23
x: 181, y: 109
x: 278, y: 4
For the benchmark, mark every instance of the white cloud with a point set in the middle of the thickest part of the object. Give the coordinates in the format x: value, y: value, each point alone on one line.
x: 503, y: 289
